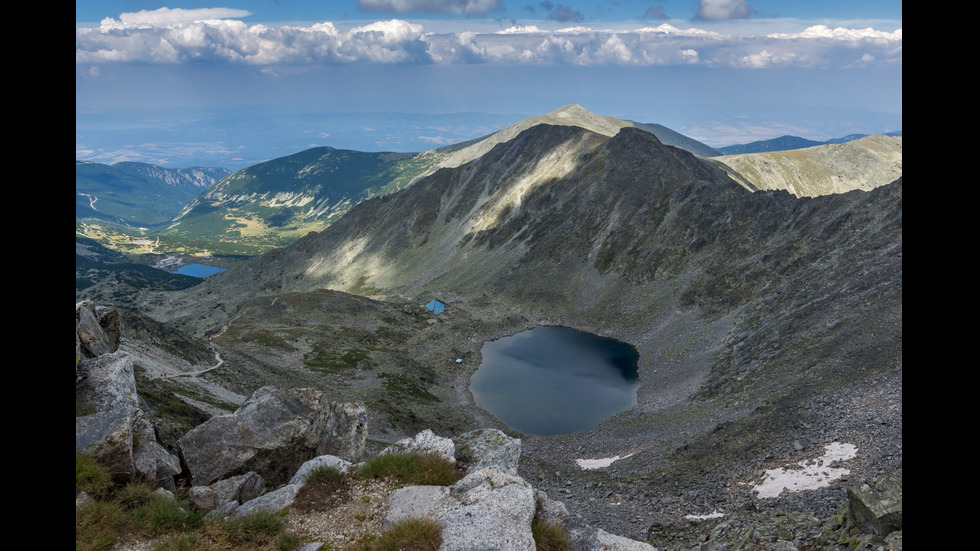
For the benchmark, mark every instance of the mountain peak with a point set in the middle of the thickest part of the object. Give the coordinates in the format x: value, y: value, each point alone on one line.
x: 573, y: 110
x: 575, y: 115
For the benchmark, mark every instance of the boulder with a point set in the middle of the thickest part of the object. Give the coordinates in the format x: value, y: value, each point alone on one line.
x: 492, y: 507
x: 238, y: 489
x: 596, y: 539
x: 274, y: 433
x: 272, y: 502
x: 425, y: 442
x: 484, y: 448
x: 875, y: 507
x: 106, y: 385
x: 107, y: 436
x: 96, y: 330
x: 155, y: 465
x: 322, y: 461
x: 113, y: 429
x: 489, y: 509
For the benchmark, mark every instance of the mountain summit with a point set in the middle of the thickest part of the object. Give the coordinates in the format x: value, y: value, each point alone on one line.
x: 570, y: 115
x: 276, y: 202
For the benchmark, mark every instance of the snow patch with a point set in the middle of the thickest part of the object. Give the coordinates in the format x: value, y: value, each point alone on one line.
x: 587, y: 464
x: 809, y: 474
x: 714, y: 514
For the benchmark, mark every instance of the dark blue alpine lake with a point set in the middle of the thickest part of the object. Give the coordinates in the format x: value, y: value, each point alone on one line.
x: 555, y: 380
x: 197, y: 270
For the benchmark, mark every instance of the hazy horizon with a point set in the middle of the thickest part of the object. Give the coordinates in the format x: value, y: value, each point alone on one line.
x: 253, y: 80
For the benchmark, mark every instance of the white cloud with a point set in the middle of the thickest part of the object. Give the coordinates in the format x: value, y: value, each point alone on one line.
x: 841, y: 33
x: 181, y: 36
x: 520, y: 29
x: 167, y: 16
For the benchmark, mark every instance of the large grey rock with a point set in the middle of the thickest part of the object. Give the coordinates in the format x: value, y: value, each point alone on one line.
x: 119, y: 435
x: 489, y: 509
x: 97, y: 329
x: 272, y: 502
x: 106, y: 385
x: 550, y: 510
x: 484, y: 448
x: 425, y: 442
x: 155, y: 465
x: 875, y: 507
x: 107, y: 436
x: 600, y: 540
x: 240, y: 489
x: 274, y: 433
x: 323, y: 461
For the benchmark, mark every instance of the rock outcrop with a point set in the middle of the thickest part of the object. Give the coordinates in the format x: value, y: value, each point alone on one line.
x: 96, y: 330
x: 488, y: 509
x: 875, y: 506
x: 274, y: 433
x: 425, y: 442
x: 493, y: 507
x: 109, y: 422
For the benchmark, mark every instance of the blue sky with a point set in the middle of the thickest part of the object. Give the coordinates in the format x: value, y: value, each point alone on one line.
x: 288, y: 73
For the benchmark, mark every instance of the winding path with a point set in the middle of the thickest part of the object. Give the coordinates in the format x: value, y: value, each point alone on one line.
x: 217, y: 357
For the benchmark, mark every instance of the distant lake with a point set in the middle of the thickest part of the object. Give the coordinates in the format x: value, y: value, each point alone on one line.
x: 197, y: 270
x: 555, y: 380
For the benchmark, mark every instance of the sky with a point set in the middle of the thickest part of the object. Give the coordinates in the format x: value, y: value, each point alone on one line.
x: 233, y: 82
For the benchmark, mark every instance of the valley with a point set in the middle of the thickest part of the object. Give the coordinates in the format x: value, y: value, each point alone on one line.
x: 768, y: 322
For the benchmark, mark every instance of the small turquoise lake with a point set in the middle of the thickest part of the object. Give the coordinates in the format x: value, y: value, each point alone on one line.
x: 554, y: 380
x: 197, y: 270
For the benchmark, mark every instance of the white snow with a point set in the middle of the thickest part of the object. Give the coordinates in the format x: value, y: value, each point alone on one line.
x: 714, y: 514
x: 807, y: 475
x: 586, y: 464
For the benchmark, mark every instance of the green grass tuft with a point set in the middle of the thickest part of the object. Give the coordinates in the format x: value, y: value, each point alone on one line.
x: 90, y: 477
x: 550, y: 536
x: 122, y: 512
x: 419, y: 534
x: 325, y: 474
x: 412, y: 469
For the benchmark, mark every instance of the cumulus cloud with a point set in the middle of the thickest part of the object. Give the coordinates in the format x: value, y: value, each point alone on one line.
x: 458, y: 7
x: 840, y: 33
x: 167, y: 16
x: 717, y: 10
x: 172, y: 36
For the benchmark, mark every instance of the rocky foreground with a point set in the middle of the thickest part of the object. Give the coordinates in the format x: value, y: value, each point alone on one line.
x: 227, y: 463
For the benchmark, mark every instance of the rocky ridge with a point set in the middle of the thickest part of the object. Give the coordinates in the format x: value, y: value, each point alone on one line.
x: 862, y: 164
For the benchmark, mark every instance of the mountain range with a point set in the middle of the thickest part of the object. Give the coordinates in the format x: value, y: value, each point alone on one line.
x: 134, y: 195
x: 273, y: 203
x: 786, y: 143
x: 768, y: 323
